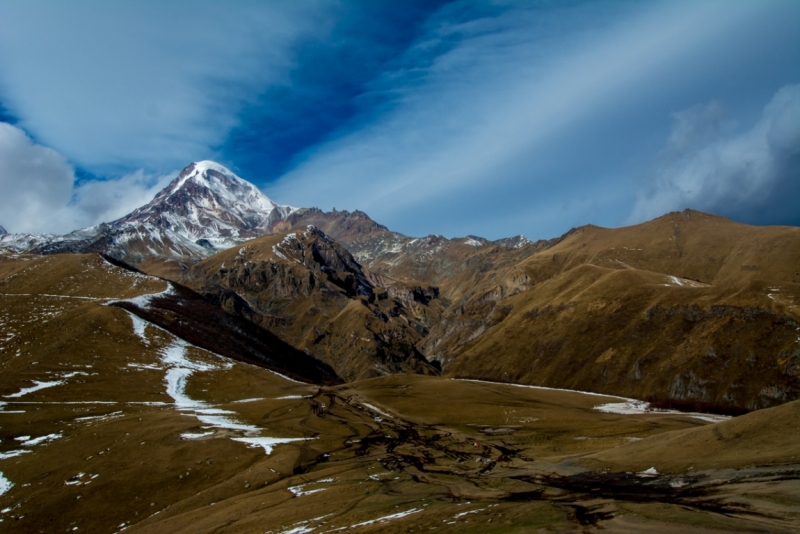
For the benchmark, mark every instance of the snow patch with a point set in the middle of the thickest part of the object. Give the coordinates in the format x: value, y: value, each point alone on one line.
x: 637, y: 407
x: 462, y: 514
x: 374, y: 409
x: 180, y: 368
x: 268, y: 443
x: 39, y: 385
x: 5, y: 484
x: 381, y: 519
x: 647, y: 473
x: 143, y: 301
x: 13, y: 454
x: 139, y: 326
x: 42, y: 439
x: 299, y: 491
x: 544, y: 388
x: 195, y: 435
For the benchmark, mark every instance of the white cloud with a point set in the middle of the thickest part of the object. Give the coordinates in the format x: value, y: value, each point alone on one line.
x: 120, y: 85
x: 107, y: 200
x: 34, y: 180
x: 39, y: 195
x: 721, y: 174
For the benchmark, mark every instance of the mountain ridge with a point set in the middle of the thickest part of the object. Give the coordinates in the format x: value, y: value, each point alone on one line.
x: 651, y: 308
x: 206, y: 208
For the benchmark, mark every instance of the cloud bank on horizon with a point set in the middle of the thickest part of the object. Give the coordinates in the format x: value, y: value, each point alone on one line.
x: 456, y: 117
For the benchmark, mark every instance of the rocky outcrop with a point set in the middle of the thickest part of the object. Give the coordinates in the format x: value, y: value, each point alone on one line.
x: 310, y: 291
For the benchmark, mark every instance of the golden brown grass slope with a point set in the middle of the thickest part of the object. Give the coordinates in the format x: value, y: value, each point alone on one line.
x: 687, y: 306
x: 765, y: 437
x: 110, y: 423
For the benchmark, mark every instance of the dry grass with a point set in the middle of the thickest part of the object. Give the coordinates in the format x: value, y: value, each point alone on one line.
x: 404, y: 443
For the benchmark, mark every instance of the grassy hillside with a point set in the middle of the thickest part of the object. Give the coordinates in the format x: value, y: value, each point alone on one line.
x: 689, y: 306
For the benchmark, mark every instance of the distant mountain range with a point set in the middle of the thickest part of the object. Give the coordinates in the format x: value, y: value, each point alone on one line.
x: 687, y: 308
x: 206, y: 209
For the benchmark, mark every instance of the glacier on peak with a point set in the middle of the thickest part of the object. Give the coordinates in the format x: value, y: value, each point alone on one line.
x: 206, y: 208
x: 208, y: 201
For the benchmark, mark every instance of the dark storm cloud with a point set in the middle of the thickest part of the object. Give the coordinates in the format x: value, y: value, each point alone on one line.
x: 754, y: 175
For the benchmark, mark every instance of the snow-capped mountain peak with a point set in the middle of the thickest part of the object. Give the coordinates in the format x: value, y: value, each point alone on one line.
x: 221, y: 182
x: 208, y: 201
x: 206, y: 208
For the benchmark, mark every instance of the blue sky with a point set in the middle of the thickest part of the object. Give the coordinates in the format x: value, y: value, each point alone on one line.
x: 462, y: 117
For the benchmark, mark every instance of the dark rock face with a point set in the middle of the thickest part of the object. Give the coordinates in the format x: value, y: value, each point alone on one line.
x: 3, y: 231
x: 201, y: 322
x: 311, y: 292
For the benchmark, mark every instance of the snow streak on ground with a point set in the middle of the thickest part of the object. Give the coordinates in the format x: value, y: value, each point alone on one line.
x: 179, y: 367
x: 374, y: 409
x: 267, y: 443
x: 543, y: 388
x: 385, y: 518
x: 49, y: 295
x: 462, y: 514
x: 298, y: 491
x: 39, y: 385
x: 143, y: 301
x: 634, y: 407
x: 629, y: 407
x: 5, y: 484
x: 303, y: 527
x: 13, y: 454
x: 139, y: 325
x: 27, y: 441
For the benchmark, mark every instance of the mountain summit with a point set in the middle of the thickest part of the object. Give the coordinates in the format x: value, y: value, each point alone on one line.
x: 205, y: 209
x: 208, y: 202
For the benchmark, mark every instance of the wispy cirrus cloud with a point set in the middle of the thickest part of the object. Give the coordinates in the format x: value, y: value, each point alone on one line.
x: 121, y: 85
x: 452, y: 117
x: 529, y: 118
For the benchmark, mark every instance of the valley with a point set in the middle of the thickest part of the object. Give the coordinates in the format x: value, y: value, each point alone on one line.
x: 217, y: 362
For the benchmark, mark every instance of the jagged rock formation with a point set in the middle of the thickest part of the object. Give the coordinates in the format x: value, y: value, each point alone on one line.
x: 310, y: 291
x: 455, y: 266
